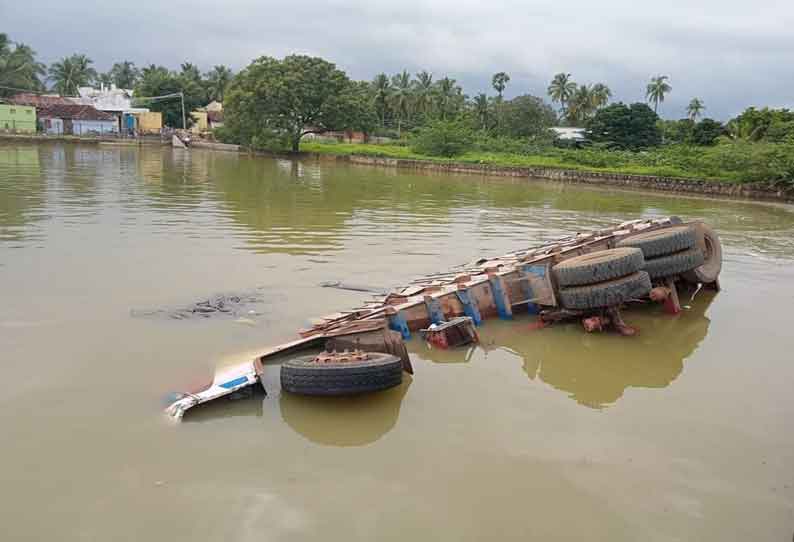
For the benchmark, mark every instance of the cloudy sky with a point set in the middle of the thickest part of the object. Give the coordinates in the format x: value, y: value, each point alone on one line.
x: 730, y: 53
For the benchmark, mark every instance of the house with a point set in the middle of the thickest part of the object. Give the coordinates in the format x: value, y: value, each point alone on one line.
x: 148, y: 122
x: 76, y: 119
x: 17, y: 119
x: 207, y: 118
x: 37, y: 100
x: 119, y: 103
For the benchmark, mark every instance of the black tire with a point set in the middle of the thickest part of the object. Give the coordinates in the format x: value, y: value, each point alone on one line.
x: 379, y: 372
x: 661, y: 242
x: 709, y: 271
x: 599, y: 266
x: 606, y: 294
x: 674, y: 264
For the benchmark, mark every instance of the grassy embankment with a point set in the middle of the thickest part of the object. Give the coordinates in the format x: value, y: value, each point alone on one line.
x: 728, y: 162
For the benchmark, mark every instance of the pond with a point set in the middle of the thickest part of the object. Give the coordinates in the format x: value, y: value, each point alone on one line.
x: 681, y: 433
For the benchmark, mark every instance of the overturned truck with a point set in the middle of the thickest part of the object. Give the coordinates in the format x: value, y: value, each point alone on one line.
x: 589, y: 277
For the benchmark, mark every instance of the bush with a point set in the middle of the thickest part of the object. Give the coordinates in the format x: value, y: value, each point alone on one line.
x: 706, y: 132
x: 442, y: 138
x: 626, y: 127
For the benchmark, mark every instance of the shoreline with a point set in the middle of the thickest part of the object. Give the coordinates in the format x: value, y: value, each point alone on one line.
x: 672, y: 185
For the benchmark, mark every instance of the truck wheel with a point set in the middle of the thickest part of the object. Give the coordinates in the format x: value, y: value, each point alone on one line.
x: 709, y: 271
x: 599, y: 266
x: 606, y: 294
x: 674, y: 264
x: 661, y: 242
x: 304, y: 376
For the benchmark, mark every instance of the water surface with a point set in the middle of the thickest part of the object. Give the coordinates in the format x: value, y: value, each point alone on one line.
x: 682, y: 433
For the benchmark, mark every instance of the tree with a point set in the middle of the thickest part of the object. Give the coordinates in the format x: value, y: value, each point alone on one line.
x: 71, y: 73
x: 561, y: 90
x: 190, y: 72
x: 281, y: 101
x: 695, y: 108
x: 525, y: 116
x: 381, y: 89
x: 124, y: 74
x: 19, y: 69
x: 601, y: 94
x: 482, y: 111
x: 423, y: 92
x: 581, y: 106
x: 400, y: 97
x: 218, y: 78
x: 499, y: 82
x: 449, y: 98
x: 656, y: 90
x: 631, y: 127
x: 158, y: 81
x: 442, y: 138
x: 706, y: 132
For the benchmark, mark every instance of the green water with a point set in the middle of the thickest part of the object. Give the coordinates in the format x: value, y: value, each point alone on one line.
x: 682, y: 433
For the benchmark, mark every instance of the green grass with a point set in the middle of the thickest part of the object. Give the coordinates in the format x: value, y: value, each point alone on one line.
x: 561, y: 159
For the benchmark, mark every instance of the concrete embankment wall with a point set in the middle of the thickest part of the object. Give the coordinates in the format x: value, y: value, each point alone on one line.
x: 757, y: 191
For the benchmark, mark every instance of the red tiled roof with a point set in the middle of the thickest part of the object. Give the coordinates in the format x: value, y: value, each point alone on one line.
x: 37, y: 100
x: 215, y: 116
x: 74, y: 111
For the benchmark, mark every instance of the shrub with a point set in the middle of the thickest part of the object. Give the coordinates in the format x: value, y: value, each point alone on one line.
x: 442, y: 138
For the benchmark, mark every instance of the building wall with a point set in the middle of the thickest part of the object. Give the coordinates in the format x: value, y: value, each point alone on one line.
x: 19, y: 119
x: 199, y: 122
x: 151, y: 122
x: 93, y: 127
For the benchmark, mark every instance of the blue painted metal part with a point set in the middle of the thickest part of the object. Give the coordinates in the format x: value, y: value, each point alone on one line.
x: 470, y: 307
x: 234, y: 383
x: 397, y: 322
x: 502, y: 308
x: 526, y: 287
x: 434, y: 310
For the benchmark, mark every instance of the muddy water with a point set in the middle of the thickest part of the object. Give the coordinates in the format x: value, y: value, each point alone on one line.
x: 683, y: 433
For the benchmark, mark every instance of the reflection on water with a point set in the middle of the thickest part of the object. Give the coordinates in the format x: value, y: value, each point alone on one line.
x: 594, y: 369
x: 344, y: 421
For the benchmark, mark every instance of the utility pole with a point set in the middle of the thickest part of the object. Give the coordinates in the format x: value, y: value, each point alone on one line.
x: 184, y: 123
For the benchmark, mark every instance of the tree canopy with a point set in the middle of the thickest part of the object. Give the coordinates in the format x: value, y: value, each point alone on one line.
x: 18, y: 68
x: 626, y: 127
x: 281, y: 101
x: 72, y: 72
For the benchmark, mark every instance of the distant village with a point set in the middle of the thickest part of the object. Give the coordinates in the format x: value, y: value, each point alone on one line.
x: 104, y: 111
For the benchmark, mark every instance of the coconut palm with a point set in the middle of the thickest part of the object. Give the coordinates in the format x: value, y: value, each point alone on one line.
x: 400, y: 98
x: 18, y: 68
x: 657, y: 89
x: 423, y: 92
x: 448, y: 97
x: 71, y: 73
x: 218, y: 78
x: 481, y: 110
x: 381, y: 88
x: 581, y: 105
x: 695, y: 108
x: 600, y: 95
x: 561, y: 90
x: 124, y: 74
x: 499, y: 82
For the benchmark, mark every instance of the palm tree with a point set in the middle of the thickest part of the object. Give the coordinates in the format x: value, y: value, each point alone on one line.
x: 656, y: 90
x: 580, y: 105
x: 218, y: 78
x: 447, y: 94
x: 400, y: 97
x: 71, y: 73
x: 18, y: 68
x: 481, y: 110
x: 124, y: 74
x: 381, y: 88
x: 601, y: 95
x: 499, y: 82
x: 423, y: 92
x: 561, y: 90
x: 695, y: 109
